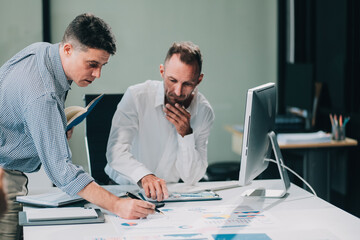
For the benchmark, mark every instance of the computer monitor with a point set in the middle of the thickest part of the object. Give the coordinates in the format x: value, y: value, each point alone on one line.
x: 259, y: 141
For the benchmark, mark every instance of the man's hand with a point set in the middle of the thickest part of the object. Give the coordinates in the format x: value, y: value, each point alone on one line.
x: 178, y: 116
x: 133, y: 209
x: 154, y: 187
x: 69, y: 133
x: 3, y: 203
x: 125, y: 208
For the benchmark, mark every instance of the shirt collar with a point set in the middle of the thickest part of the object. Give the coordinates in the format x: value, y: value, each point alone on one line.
x: 159, y: 101
x: 57, y: 68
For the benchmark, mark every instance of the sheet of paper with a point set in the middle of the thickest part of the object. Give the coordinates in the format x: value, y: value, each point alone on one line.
x: 194, y: 236
x: 195, y: 219
x: 316, y: 137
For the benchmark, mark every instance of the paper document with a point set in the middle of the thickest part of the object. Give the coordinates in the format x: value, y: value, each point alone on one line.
x: 293, y: 138
x: 203, y: 219
x: 190, y: 236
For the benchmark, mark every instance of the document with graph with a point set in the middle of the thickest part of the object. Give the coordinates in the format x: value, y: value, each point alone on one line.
x: 197, y: 219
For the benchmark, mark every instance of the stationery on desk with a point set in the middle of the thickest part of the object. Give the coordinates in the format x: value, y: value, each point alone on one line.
x: 202, y: 186
x: 51, y: 199
x: 187, y: 197
x: 60, y: 216
x: 338, y: 127
x: 60, y: 198
x: 136, y: 197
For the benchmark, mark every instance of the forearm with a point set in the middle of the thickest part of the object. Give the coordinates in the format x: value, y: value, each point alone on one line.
x: 100, y: 197
x: 123, y: 207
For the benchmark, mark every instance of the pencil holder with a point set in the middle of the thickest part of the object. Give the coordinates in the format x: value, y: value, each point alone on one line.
x: 338, y: 133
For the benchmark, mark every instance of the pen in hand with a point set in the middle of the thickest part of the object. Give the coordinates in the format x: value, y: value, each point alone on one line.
x: 129, y: 194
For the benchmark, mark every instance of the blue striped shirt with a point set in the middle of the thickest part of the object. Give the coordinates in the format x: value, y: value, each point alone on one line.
x: 32, y: 119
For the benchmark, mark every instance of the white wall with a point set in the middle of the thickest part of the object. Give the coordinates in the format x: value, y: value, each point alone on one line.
x: 21, y: 25
x: 237, y: 39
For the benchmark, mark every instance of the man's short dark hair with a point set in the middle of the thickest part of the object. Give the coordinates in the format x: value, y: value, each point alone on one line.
x: 189, y: 53
x: 90, y: 31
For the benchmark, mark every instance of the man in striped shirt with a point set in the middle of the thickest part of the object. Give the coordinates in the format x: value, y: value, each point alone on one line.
x: 33, y: 87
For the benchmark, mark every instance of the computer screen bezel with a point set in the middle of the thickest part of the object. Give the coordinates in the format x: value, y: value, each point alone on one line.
x: 259, y: 140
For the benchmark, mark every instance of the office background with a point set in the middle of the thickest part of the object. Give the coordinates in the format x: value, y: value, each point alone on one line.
x: 243, y: 43
x: 237, y: 39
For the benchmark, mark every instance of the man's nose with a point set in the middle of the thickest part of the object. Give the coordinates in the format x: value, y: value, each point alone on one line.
x: 178, y: 89
x: 96, y: 73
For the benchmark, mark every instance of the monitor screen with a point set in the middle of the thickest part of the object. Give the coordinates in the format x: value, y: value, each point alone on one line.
x: 259, y: 140
x: 259, y: 121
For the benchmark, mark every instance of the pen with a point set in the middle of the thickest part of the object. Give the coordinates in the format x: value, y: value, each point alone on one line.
x: 331, y: 120
x: 335, y: 120
x: 346, y: 120
x: 340, y: 120
x: 136, y: 197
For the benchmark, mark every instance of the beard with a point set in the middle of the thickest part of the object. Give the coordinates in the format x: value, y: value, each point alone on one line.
x: 183, y: 100
x: 173, y: 99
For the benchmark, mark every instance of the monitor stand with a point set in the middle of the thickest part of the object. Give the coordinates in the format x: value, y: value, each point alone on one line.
x: 283, y: 184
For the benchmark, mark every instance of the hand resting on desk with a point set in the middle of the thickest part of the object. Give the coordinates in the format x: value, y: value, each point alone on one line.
x: 125, y: 208
x: 154, y: 187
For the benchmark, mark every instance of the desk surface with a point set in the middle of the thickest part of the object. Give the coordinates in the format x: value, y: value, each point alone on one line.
x: 299, y: 215
x: 348, y: 142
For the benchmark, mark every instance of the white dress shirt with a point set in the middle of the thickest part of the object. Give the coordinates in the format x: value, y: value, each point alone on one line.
x: 142, y: 141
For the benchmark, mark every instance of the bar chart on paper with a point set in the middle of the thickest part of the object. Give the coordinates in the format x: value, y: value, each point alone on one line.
x: 194, y: 236
x: 198, y: 218
x: 193, y: 223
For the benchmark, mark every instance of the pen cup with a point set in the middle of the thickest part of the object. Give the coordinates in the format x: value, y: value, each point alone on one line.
x: 338, y: 133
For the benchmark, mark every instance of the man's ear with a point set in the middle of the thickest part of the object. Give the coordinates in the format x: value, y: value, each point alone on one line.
x: 68, y: 49
x: 162, y: 70
x: 200, y: 79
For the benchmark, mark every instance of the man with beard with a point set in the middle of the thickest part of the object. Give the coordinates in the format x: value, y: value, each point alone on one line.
x: 160, y: 129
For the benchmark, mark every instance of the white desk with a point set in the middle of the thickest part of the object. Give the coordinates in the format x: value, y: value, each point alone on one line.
x: 299, y: 215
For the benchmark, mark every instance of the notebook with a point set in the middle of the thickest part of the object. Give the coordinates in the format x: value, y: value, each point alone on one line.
x: 60, y: 216
x: 48, y: 214
x: 60, y: 198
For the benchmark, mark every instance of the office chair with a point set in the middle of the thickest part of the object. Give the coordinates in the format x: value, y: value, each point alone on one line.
x: 223, y: 171
x: 97, y: 130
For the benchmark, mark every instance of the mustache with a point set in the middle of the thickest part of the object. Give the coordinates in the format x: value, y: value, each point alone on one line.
x: 176, y: 96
